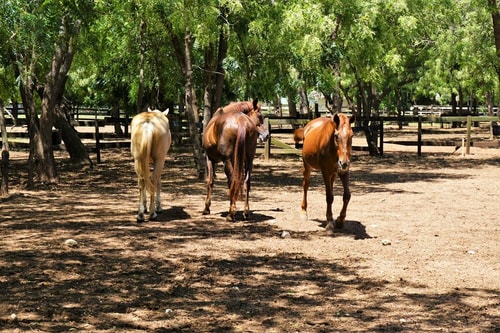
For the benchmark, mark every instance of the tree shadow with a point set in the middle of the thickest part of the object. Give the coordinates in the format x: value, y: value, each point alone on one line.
x: 124, y: 276
x: 105, y: 289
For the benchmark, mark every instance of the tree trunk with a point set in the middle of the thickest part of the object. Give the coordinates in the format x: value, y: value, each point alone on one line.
x: 115, y: 114
x: 77, y: 152
x: 26, y: 92
x: 140, y: 90
x: 192, y: 109
x: 370, y: 129
x: 43, y: 150
x: 183, y: 56
x: 207, y: 93
x: 219, y: 71
x: 304, y: 102
x: 292, y: 107
x: 4, y: 163
x: 495, y: 15
x: 53, y: 92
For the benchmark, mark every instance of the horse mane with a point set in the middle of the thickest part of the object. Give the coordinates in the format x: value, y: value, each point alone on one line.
x: 244, y: 107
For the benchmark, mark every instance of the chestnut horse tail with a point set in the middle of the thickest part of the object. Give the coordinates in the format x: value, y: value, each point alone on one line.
x: 143, y: 152
x: 238, y: 162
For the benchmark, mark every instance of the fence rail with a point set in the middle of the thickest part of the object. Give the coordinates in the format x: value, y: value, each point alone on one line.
x: 284, y: 148
x: 180, y: 132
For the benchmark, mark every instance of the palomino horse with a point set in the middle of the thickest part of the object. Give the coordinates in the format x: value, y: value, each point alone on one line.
x: 327, y: 147
x: 150, y: 142
x: 231, y: 137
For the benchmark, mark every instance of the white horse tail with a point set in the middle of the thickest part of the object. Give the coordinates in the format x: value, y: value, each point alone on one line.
x: 143, y: 154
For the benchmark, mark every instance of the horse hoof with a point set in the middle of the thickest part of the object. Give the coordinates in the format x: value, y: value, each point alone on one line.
x: 206, y: 212
x: 246, y: 216
x: 230, y: 218
x: 329, y: 229
x: 153, y: 217
x: 303, y: 216
x: 339, y: 224
x: 140, y: 220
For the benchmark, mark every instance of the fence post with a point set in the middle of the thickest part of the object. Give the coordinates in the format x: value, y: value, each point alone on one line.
x: 381, y: 138
x: 126, y: 124
x: 469, y: 128
x: 267, y: 145
x: 419, y: 136
x: 97, y: 139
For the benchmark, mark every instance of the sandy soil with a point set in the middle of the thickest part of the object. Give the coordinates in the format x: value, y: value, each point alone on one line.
x: 419, y: 252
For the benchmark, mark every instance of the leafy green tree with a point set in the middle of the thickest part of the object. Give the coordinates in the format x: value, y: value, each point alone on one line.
x: 39, y: 29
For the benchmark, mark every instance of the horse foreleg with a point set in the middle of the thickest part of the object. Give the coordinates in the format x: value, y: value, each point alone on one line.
x: 344, y: 177
x: 142, y: 200
x: 306, y: 171
x: 210, y: 185
x: 329, y: 178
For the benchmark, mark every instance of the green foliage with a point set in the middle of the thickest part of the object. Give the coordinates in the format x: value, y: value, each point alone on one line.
x: 424, y: 47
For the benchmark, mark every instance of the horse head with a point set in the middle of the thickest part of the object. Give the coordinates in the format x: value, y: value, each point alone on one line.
x: 343, y: 139
x: 251, y: 109
x: 258, y: 118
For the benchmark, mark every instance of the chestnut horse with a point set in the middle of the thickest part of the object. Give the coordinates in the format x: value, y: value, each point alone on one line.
x: 231, y: 137
x: 150, y: 142
x: 298, y: 136
x: 327, y: 147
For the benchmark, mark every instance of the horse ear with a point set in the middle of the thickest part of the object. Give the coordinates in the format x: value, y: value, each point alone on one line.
x: 353, y: 118
x: 336, y: 120
x: 166, y: 111
x: 149, y: 110
x: 255, y: 103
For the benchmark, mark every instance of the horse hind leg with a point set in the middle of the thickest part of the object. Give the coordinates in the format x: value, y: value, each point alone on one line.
x: 157, y: 175
x: 210, y: 185
x: 155, y: 203
x: 228, y: 170
x: 246, y: 191
x: 152, y: 208
x: 306, y: 170
x: 232, y: 211
x: 142, y: 201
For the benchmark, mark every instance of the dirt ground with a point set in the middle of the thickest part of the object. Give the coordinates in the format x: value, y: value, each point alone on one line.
x: 419, y: 252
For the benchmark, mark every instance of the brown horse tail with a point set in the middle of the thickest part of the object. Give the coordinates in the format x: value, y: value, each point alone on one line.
x: 238, y: 162
x: 144, y: 153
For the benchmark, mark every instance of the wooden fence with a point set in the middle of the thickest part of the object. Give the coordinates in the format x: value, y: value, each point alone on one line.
x: 283, y: 148
x: 99, y: 119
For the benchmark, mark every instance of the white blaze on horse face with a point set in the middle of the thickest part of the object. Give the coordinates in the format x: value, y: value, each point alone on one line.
x: 263, y: 132
x: 343, y: 138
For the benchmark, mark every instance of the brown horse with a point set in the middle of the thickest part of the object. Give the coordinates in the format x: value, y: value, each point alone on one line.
x: 327, y: 147
x: 298, y: 136
x: 150, y: 142
x: 231, y: 137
